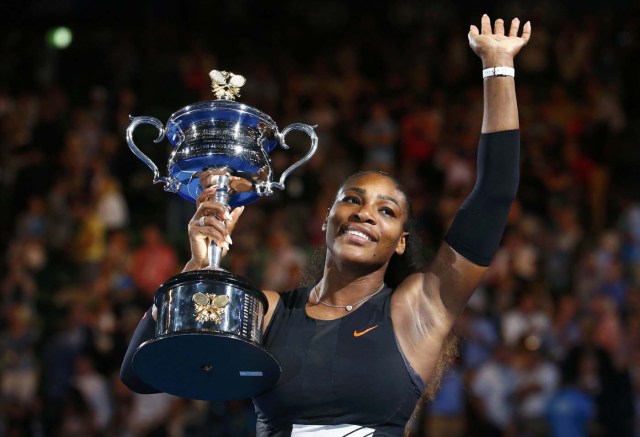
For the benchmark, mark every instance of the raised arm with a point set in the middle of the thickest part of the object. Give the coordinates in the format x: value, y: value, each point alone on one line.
x: 427, y: 304
x: 477, y: 229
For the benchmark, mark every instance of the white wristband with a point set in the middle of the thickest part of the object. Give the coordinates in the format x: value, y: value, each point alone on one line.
x: 498, y: 71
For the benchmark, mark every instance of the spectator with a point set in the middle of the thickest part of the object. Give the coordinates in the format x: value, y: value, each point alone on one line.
x: 19, y: 370
x: 94, y: 389
x: 153, y: 262
x: 538, y: 378
x: 285, y: 263
x: 379, y: 134
x: 89, y: 240
x: 111, y: 205
x: 493, y: 388
x: 480, y: 338
x: 571, y: 410
x: 566, y: 329
x: 574, y: 233
x: 527, y: 320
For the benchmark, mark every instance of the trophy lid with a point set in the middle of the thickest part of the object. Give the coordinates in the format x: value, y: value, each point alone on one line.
x: 226, y: 85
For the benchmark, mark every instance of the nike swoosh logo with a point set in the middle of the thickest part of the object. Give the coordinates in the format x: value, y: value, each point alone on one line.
x: 358, y: 334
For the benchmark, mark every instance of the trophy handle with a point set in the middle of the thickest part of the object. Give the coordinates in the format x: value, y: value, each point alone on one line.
x: 309, y: 130
x: 170, y: 184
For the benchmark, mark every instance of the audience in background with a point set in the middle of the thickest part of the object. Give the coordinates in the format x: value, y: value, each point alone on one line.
x: 87, y: 238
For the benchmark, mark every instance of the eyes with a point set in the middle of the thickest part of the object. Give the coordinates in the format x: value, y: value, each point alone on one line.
x: 351, y: 199
x: 384, y: 210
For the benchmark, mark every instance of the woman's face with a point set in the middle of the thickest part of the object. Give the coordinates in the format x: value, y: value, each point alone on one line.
x: 365, y: 223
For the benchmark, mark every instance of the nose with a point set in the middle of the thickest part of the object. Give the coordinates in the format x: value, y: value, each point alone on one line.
x: 363, y: 215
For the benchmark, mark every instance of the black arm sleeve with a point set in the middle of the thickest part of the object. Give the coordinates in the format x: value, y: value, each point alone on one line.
x: 144, y: 331
x: 479, y: 224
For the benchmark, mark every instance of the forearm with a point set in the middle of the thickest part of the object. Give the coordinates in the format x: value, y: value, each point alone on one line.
x: 479, y: 224
x: 500, y: 105
x: 478, y: 227
x: 144, y: 331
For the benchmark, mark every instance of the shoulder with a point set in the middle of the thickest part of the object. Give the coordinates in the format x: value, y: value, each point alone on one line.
x: 288, y: 299
x: 273, y: 300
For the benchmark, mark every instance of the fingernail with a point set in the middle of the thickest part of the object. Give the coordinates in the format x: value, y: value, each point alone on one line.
x: 225, y: 245
x: 228, y: 239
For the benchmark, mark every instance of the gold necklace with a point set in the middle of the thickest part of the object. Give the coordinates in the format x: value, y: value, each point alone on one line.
x: 346, y: 307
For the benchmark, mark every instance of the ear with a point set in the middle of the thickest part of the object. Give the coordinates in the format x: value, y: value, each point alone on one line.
x: 326, y: 219
x: 402, y: 243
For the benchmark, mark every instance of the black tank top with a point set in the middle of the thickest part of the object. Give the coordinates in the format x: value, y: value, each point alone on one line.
x: 344, y: 371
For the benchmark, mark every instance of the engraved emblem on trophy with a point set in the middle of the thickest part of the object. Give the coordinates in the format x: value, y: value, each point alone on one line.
x: 207, y: 342
x: 209, y: 307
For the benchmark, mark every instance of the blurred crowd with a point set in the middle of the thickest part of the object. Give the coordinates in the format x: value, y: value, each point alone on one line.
x: 550, y: 342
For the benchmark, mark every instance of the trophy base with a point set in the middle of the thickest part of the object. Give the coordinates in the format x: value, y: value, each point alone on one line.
x: 206, y: 366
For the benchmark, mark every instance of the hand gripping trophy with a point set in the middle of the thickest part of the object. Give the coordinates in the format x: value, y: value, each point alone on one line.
x: 209, y: 326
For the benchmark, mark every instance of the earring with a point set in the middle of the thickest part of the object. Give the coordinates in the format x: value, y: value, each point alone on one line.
x: 324, y: 226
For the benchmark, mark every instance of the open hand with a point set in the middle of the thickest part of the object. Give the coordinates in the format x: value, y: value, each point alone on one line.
x: 495, y: 47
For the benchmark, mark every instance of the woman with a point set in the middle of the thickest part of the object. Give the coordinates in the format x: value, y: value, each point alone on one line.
x: 356, y: 351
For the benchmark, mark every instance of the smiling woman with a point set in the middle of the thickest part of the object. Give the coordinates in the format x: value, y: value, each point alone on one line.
x: 358, y: 348
x: 365, y: 225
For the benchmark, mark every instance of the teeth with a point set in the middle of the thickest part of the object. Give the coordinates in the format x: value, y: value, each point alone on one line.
x: 357, y: 234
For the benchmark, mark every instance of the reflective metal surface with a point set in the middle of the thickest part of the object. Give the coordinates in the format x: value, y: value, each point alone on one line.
x: 206, y: 366
x: 182, y: 300
x: 220, y: 133
x: 208, y: 336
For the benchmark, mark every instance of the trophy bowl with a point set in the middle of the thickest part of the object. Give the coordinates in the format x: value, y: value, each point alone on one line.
x: 207, y: 342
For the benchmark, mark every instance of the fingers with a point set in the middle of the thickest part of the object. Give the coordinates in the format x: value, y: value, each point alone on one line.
x: 513, y: 30
x: 208, y: 221
x: 212, y: 229
x: 485, y: 25
x: 212, y: 224
x: 526, y: 32
x: 219, y: 228
x: 210, y: 191
x: 498, y: 27
x: 206, y: 194
x: 473, y: 31
x: 209, y: 208
x: 235, y: 214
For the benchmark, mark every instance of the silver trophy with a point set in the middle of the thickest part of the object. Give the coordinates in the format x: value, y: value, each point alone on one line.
x: 207, y: 342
